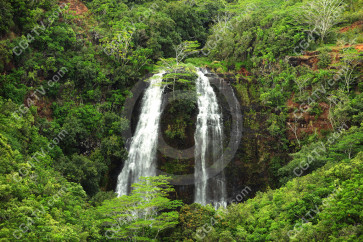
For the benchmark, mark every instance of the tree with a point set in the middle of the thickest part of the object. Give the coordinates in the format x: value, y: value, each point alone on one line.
x: 144, y: 213
x: 350, y: 144
x: 322, y: 15
x: 295, y: 128
x: 350, y: 61
x: 122, y: 49
x: 184, y: 49
x: 176, y: 70
x: 301, y: 83
x: 339, y: 113
x: 6, y: 17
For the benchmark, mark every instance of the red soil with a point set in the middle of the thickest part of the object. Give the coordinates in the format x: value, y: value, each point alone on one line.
x: 76, y: 6
x: 352, y: 26
x: 306, y: 123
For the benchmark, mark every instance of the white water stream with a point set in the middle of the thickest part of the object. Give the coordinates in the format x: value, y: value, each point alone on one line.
x: 141, y: 158
x: 208, y: 143
x: 208, y: 146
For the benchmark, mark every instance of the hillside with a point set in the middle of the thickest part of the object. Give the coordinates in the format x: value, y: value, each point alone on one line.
x: 244, y: 116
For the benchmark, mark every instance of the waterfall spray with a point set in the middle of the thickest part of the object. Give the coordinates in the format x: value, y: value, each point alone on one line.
x: 208, y: 146
x: 141, y: 158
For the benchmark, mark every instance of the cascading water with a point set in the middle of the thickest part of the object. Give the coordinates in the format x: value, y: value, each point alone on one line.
x: 208, y: 146
x: 141, y: 158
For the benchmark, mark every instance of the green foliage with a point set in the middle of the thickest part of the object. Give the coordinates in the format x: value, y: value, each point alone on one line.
x: 315, y: 109
x: 177, y: 130
x: 192, y: 217
x: 6, y: 17
x: 83, y: 170
x: 347, y: 110
x: 265, y: 30
x: 276, y: 124
x: 64, y: 193
x: 324, y: 59
x: 272, y: 215
x: 141, y: 215
x: 36, y: 201
x: 337, y: 146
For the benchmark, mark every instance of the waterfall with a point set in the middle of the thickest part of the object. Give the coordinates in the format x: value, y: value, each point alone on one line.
x: 141, y: 158
x: 208, y: 146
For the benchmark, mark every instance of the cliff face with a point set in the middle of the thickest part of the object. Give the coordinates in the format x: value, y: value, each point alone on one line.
x: 301, y: 123
x: 258, y: 155
x: 247, y: 161
x: 250, y: 164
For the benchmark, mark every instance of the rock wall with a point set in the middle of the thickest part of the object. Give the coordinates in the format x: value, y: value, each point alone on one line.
x: 249, y: 161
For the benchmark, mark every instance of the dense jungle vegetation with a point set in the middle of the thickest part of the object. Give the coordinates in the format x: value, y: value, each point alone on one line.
x: 67, y: 67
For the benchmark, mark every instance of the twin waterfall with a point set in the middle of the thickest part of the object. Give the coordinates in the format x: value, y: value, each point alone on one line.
x: 208, y: 142
x: 208, y: 146
x: 141, y: 159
